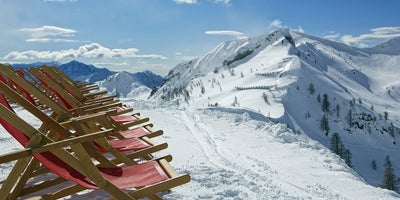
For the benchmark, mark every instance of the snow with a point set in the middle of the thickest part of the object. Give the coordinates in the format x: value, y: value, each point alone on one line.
x: 233, y: 154
x: 270, y: 75
x: 242, y: 122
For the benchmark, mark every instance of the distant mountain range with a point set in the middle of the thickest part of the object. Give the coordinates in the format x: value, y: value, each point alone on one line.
x: 316, y: 86
x: 111, y: 80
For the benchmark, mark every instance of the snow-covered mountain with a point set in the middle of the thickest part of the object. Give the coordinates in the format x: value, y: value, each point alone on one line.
x: 138, y: 85
x: 83, y: 72
x: 124, y: 84
x: 245, y: 120
x: 36, y: 64
x: 315, y: 86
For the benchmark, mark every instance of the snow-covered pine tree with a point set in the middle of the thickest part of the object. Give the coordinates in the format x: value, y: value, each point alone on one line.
x: 338, y: 148
x: 389, y: 178
x: 373, y: 165
x: 311, y: 88
x: 336, y: 144
x: 325, y: 124
x: 325, y: 103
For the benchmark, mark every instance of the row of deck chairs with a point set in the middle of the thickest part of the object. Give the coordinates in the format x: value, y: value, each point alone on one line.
x: 86, y: 138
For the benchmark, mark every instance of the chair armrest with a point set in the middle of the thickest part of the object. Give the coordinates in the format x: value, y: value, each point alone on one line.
x: 54, y: 145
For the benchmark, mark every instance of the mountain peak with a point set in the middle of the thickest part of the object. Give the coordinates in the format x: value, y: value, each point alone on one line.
x: 288, y: 76
x: 391, y: 47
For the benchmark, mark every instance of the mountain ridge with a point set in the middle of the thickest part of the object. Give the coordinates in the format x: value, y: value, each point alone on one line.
x: 272, y: 74
x: 140, y: 82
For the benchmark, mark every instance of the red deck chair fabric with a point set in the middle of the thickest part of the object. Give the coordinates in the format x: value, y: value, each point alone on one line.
x: 69, y: 105
x: 18, y: 135
x: 26, y: 93
x: 121, y: 145
x: 120, y: 119
x: 65, y: 87
x: 126, y: 177
x: 127, y: 144
x: 135, y: 133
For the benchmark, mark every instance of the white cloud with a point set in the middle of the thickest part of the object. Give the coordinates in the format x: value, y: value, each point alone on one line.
x: 92, y: 50
x: 300, y: 29
x: 332, y: 36
x: 227, y: 32
x: 183, y: 57
x: 186, y: 1
x: 276, y: 23
x: 376, y: 35
x: 49, y: 34
x: 50, y: 40
x: 46, y: 31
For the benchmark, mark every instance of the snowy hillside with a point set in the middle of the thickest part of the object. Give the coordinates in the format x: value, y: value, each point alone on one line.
x: 124, y: 84
x: 315, y: 86
x: 245, y: 120
x: 231, y: 154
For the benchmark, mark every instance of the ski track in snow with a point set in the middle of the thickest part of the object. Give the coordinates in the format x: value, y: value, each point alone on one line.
x: 227, y: 162
x: 227, y: 165
x: 235, y: 155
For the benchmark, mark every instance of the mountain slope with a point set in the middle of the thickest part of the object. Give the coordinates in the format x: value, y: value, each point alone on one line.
x: 138, y: 85
x: 83, y: 72
x: 290, y: 78
x: 36, y: 64
x: 124, y: 84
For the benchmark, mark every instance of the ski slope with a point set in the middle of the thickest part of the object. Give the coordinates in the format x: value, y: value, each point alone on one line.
x: 271, y: 75
x: 230, y: 155
x: 235, y: 154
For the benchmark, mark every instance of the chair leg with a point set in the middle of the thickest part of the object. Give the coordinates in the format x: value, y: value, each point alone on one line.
x: 154, y: 197
x: 14, y: 177
x: 27, y: 174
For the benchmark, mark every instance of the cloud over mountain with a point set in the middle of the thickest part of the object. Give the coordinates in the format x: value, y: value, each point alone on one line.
x: 226, y: 32
x: 377, y: 34
x: 93, y: 50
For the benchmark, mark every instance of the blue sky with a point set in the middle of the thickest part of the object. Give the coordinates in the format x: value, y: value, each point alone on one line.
x: 135, y: 35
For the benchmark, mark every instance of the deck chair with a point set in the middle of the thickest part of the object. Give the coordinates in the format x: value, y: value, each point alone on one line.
x: 122, y: 132
x: 82, y: 93
x: 141, y: 147
x: 80, y: 85
x: 69, y: 101
x: 69, y: 160
x: 144, y: 131
x: 122, y: 121
x: 83, y: 109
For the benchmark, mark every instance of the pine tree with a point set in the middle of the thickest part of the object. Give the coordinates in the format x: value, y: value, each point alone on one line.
x: 350, y: 118
x: 337, y: 111
x: 311, y: 88
x: 373, y: 165
x: 389, y: 178
x: 338, y: 148
x: 347, y: 157
x: 336, y: 144
x: 325, y: 125
x: 319, y: 98
x: 325, y: 103
x: 265, y: 97
x: 385, y: 115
